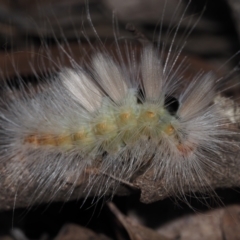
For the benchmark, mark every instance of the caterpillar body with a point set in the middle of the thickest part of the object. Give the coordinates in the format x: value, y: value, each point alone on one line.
x: 120, y: 116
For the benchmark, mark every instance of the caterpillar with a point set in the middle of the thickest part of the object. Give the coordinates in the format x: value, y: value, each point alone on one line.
x: 116, y: 116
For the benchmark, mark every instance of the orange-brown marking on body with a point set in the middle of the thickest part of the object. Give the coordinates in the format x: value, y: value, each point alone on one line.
x: 64, y: 140
x: 48, y: 140
x: 125, y: 116
x: 104, y: 128
x: 101, y: 128
x: 78, y: 136
x: 185, y: 149
x: 148, y: 117
x: 169, y: 130
x: 150, y: 114
x: 32, y: 139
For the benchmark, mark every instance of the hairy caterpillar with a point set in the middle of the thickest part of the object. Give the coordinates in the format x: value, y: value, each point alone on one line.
x: 121, y: 115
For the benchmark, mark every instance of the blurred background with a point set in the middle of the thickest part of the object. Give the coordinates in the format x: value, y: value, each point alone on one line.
x: 30, y: 34
x: 26, y: 24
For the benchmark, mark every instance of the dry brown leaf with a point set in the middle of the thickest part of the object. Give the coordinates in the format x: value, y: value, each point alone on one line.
x: 76, y: 232
x: 219, y: 224
x: 136, y: 231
